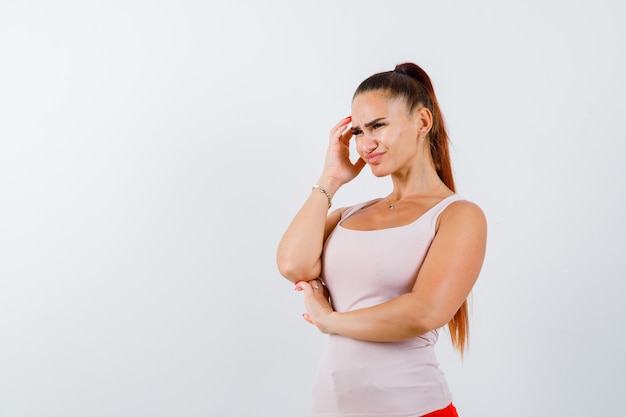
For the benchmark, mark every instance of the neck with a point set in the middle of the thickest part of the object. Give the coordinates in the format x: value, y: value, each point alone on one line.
x: 417, y: 178
x: 421, y: 181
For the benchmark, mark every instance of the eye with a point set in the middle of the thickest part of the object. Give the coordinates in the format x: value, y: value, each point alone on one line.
x: 377, y: 126
x: 357, y: 132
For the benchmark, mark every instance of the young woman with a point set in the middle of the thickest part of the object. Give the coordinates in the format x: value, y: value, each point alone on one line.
x: 382, y: 276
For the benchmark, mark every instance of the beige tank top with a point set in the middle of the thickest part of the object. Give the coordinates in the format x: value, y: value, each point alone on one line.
x: 366, y: 268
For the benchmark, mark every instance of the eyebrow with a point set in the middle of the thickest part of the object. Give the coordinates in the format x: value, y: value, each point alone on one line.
x: 368, y: 124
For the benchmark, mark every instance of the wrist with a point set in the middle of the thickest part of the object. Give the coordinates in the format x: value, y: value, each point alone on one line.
x: 330, y: 322
x: 325, y: 192
x: 329, y: 184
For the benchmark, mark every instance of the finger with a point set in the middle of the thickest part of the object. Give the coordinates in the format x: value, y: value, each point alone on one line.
x: 314, y: 284
x: 345, y: 137
x: 307, y: 317
x: 337, y: 130
x: 304, y: 286
x: 343, y: 122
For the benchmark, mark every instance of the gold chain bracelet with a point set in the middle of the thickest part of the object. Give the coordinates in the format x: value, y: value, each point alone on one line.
x: 323, y: 190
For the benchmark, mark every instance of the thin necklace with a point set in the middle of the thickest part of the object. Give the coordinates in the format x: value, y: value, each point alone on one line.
x: 392, y: 206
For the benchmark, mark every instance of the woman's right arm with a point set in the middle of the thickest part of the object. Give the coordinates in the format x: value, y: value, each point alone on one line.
x: 300, y: 249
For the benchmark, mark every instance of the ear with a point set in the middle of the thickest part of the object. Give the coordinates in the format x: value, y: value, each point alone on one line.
x: 424, y: 121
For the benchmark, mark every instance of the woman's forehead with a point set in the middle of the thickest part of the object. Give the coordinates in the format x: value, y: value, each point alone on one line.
x: 378, y: 101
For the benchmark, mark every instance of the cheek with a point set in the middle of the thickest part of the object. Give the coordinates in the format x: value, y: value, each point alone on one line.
x: 358, y: 144
x: 387, y: 137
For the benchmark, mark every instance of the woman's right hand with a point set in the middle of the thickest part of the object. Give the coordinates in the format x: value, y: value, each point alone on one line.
x: 338, y: 168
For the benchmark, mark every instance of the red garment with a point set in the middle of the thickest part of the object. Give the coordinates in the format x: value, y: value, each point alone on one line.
x: 449, y: 411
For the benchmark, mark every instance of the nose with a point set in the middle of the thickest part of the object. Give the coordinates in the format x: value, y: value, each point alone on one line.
x: 367, y: 144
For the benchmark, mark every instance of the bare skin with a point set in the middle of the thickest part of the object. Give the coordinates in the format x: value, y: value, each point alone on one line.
x: 393, y: 141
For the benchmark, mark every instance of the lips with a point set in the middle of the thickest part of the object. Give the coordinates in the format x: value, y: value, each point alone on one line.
x: 374, y: 158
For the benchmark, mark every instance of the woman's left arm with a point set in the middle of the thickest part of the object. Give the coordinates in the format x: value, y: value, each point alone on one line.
x: 444, y: 281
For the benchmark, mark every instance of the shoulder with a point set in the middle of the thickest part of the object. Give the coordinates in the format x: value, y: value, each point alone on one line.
x: 462, y: 214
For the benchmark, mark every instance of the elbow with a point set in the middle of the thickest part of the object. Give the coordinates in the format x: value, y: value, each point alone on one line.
x: 423, y: 315
x: 422, y: 322
x: 295, y: 272
x: 288, y: 271
x: 418, y: 327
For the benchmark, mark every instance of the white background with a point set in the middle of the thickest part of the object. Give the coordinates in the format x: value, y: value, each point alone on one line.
x: 153, y: 152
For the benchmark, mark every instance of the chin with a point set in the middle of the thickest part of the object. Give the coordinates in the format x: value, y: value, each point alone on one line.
x: 378, y: 172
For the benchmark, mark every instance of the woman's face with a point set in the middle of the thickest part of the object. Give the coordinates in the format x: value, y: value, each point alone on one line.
x: 386, y: 133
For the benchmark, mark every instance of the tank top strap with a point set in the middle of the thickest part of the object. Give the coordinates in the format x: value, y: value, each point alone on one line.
x: 443, y: 204
x: 352, y: 209
x: 438, y: 208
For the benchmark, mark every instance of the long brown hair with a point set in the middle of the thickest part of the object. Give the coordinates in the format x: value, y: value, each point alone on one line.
x: 412, y: 83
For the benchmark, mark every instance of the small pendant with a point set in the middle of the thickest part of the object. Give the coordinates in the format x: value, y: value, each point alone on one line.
x: 391, y: 206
